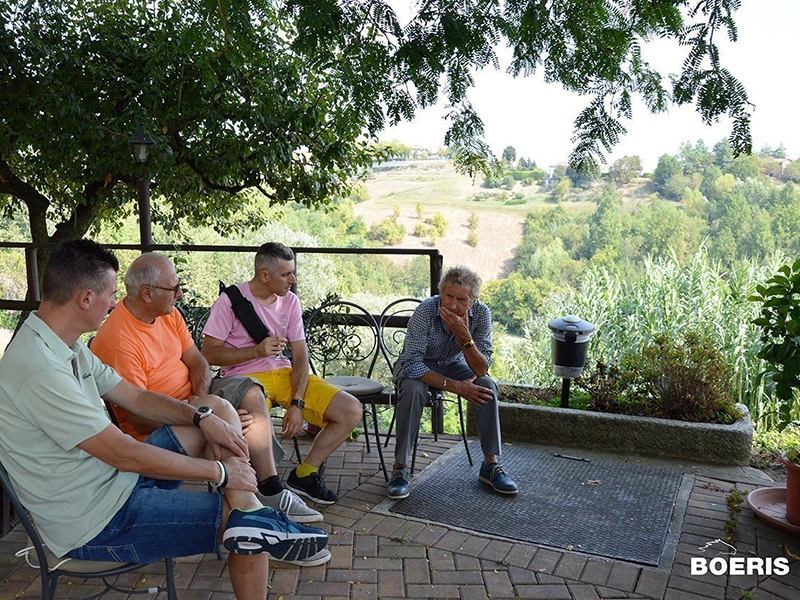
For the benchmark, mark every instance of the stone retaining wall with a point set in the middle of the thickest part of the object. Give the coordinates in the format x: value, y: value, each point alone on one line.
x: 701, y: 442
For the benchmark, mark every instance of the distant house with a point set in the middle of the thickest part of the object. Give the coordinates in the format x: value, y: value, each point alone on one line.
x: 781, y: 164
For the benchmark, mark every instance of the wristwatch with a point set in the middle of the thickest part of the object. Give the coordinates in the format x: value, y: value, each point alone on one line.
x: 468, y: 345
x: 202, y: 413
x: 298, y: 403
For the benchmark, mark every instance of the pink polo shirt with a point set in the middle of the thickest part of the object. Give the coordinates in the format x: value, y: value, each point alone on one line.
x: 284, y: 317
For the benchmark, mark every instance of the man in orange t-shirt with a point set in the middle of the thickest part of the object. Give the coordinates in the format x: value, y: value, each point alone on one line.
x: 145, y: 339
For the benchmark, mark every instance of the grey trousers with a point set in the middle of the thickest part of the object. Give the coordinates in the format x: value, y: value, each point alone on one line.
x: 412, y: 394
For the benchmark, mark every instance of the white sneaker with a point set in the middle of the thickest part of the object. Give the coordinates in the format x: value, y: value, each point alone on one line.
x: 292, y: 506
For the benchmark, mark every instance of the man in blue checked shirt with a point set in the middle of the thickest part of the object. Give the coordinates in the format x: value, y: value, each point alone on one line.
x: 449, y: 347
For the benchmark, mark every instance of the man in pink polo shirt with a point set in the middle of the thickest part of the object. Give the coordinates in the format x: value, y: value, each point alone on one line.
x: 305, y: 397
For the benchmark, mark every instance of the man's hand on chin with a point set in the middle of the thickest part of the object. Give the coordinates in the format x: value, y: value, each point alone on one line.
x: 458, y: 326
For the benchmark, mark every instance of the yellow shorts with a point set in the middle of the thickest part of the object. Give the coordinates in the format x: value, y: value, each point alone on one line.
x: 278, y: 388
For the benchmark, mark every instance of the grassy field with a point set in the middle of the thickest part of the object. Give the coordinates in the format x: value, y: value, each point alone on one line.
x: 439, y: 188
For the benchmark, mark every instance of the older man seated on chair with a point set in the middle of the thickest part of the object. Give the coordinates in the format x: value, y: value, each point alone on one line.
x: 448, y: 346
x: 145, y: 339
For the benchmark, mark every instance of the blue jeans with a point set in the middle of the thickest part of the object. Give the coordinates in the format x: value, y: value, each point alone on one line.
x: 158, y: 520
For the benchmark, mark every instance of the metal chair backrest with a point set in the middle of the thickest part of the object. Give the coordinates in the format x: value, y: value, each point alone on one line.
x: 343, y: 339
x: 392, y: 324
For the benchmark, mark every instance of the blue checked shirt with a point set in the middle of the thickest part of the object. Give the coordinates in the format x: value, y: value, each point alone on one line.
x: 427, y: 339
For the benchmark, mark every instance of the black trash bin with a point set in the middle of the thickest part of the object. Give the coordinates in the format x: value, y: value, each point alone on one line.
x: 568, y: 345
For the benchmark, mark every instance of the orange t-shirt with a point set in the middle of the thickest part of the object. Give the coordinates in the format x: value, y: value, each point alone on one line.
x: 145, y: 355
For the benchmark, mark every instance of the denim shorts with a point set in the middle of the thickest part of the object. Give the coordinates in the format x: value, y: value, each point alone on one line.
x: 158, y: 520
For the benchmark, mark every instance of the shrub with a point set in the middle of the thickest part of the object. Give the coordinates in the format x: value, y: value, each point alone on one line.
x: 472, y: 221
x: 681, y: 379
x: 515, y: 201
x: 420, y: 230
x: 419, y: 208
x: 439, y: 223
x: 472, y: 238
x: 519, y: 195
x: 388, y: 231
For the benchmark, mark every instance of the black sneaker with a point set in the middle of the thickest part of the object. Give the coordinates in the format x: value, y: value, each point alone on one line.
x: 311, y: 487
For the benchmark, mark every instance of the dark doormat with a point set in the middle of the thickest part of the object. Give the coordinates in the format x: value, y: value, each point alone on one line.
x: 606, y: 507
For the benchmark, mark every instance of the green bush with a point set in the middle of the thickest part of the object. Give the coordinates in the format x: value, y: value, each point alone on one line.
x: 472, y: 238
x: 684, y: 379
x: 420, y: 230
x: 387, y: 231
x: 516, y: 201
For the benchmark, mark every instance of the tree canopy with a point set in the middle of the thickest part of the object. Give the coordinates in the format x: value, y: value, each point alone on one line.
x: 286, y: 98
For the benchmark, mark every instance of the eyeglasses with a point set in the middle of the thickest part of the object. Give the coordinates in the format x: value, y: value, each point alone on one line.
x: 175, y: 290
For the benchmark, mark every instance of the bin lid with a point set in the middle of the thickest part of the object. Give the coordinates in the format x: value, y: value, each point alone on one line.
x: 571, y: 324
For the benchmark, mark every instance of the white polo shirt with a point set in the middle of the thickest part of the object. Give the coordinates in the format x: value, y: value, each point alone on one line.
x: 50, y: 401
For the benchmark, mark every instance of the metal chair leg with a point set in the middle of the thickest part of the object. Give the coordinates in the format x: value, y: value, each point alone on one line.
x: 171, y: 593
x: 464, y: 431
x: 377, y: 438
x: 366, y: 431
x: 389, y: 431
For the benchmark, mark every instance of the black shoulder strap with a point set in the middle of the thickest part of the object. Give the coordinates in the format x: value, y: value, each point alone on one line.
x: 245, y: 312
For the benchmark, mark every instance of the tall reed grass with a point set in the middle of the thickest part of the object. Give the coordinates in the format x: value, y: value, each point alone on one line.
x: 666, y: 297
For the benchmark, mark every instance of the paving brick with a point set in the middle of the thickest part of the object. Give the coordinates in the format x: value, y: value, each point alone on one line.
x: 440, y: 592
x: 583, y: 591
x: 441, y: 560
x: 401, y: 550
x: 364, y: 591
x: 570, y: 566
x: 498, y: 584
x: 473, y: 546
x: 467, y: 563
x: 775, y: 586
x: 698, y: 588
x: 341, y: 557
x: 284, y: 582
x: 623, y: 577
x: 366, y: 523
x: 596, y: 571
x: 390, y: 583
x: 548, y: 592
x: 545, y: 561
x: 652, y: 583
x: 386, y: 526
x: 474, y: 592
x: 452, y: 541
x: 496, y: 550
x: 520, y: 576
x: 324, y: 588
x: 520, y: 555
x: 430, y: 535
x: 379, y: 564
x: 352, y: 575
x: 365, y: 545
x: 456, y: 577
x: 417, y: 570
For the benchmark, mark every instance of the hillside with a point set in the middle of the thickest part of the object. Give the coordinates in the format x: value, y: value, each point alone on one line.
x: 437, y: 186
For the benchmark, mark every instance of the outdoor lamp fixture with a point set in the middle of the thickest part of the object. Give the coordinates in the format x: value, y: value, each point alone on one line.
x: 141, y: 143
x: 568, y: 345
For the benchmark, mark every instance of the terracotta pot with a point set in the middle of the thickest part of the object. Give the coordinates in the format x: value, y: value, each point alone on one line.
x: 792, y: 490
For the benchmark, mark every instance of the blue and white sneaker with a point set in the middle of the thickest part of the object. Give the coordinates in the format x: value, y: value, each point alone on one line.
x: 496, y: 476
x: 267, y: 530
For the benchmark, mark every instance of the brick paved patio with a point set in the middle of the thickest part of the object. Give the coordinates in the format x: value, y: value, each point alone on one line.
x: 378, y: 555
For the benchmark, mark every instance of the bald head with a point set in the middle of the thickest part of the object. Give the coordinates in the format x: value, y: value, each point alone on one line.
x: 146, y: 270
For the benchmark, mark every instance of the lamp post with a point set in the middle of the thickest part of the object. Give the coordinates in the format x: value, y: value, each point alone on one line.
x: 140, y: 146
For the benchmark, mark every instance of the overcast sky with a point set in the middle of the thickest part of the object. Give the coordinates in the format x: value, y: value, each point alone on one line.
x: 537, y: 118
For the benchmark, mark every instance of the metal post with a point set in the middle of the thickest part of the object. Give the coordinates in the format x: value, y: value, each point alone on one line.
x: 436, y: 272
x: 32, y: 274
x: 565, y: 393
x: 145, y: 230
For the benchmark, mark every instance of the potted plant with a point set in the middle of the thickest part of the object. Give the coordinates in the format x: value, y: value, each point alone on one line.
x: 780, y: 338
